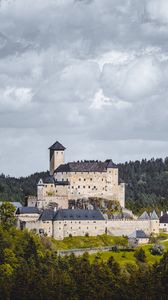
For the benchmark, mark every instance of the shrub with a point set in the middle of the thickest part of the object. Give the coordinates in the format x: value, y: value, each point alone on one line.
x: 157, y: 249
x: 140, y: 255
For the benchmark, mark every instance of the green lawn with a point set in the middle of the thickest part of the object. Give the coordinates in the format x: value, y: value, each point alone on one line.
x: 88, y: 242
x: 123, y: 257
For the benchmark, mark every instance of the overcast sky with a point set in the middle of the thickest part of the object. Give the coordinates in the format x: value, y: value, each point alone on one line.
x: 92, y: 74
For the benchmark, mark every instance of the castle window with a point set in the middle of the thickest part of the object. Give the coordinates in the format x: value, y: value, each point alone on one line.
x: 79, y: 228
x: 90, y: 179
x: 79, y: 179
x: 95, y: 227
x: 78, y: 186
x: 84, y: 186
x: 89, y: 187
x: 72, y: 187
x: 84, y: 179
x: 102, y: 179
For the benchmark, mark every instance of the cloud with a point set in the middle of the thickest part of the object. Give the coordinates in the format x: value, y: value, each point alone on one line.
x: 157, y: 10
x: 14, y: 99
x: 92, y: 74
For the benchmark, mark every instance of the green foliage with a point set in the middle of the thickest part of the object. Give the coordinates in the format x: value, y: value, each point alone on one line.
x: 146, y: 184
x: 140, y: 255
x: 16, y: 189
x: 30, y: 269
x: 7, y: 215
x: 157, y: 249
x: 89, y: 242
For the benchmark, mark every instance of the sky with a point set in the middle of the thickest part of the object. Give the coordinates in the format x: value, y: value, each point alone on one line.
x: 91, y: 74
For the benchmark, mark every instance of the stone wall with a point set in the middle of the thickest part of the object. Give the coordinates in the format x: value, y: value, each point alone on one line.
x: 126, y: 227
x: 63, y: 229
x: 94, y: 184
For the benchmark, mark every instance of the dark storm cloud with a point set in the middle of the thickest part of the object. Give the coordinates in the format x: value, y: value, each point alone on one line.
x: 90, y: 73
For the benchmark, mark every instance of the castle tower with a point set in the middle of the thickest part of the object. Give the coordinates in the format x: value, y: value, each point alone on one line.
x: 56, y: 156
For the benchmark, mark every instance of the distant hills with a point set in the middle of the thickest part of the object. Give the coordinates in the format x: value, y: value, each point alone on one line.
x: 146, y: 185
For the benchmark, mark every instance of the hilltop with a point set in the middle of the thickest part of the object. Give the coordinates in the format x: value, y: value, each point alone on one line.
x: 146, y: 184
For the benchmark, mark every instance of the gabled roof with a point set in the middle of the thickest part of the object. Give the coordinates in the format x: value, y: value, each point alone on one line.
x: 144, y: 216
x: 27, y: 210
x: 78, y: 214
x: 153, y: 216
x: 164, y: 218
x: 86, y: 166
x: 47, y: 215
x: 51, y: 180
x: 139, y: 234
x: 57, y: 146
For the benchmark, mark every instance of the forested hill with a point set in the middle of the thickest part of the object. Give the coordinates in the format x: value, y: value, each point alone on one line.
x: 146, y: 184
x: 16, y: 189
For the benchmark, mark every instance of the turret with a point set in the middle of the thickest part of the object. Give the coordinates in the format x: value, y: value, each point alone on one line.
x: 56, y: 156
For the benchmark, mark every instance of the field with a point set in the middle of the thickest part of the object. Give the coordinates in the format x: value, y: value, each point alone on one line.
x: 123, y: 256
x: 88, y: 242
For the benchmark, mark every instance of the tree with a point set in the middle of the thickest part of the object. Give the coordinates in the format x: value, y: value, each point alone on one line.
x: 157, y: 249
x: 7, y: 215
x: 140, y: 255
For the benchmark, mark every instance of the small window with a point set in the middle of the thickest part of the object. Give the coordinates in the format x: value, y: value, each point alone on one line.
x: 84, y: 186
x: 79, y: 179
x: 84, y: 179
x: 78, y: 186
x: 90, y: 179
x: 89, y: 187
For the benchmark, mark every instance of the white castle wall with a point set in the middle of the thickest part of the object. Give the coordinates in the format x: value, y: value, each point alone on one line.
x: 63, y: 229
x: 126, y: 227
x: 94, y: 184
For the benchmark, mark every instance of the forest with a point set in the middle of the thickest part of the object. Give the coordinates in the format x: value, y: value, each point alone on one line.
x: 30, y: 269
x: 146, y: 185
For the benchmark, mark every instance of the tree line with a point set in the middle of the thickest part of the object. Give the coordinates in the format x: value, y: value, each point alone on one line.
x: 30, y: 270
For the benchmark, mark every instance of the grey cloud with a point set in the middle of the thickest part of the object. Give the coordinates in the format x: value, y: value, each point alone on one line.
x: 90, y: 73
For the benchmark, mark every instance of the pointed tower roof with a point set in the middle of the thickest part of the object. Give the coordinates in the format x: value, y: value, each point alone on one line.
x: 154, y: 216
x: 40, y: 183
x: 144, y: 216
x: 57, y: 146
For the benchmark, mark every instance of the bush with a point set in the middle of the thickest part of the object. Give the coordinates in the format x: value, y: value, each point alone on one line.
x: 157, y: 249
x: 140, y: 255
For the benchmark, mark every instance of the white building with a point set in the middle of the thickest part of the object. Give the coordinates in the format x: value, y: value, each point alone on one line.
x: 76, y: 180
x: 79, y: 222
x: 164, y: 222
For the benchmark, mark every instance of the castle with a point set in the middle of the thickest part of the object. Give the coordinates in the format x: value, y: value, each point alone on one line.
x: 49, y: 212
x: 77, y: 180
